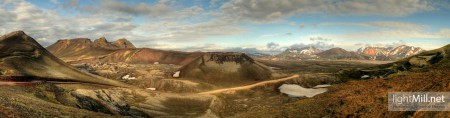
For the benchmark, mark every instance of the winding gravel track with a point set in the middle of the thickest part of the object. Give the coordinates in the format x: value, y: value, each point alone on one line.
x: 249, y: 86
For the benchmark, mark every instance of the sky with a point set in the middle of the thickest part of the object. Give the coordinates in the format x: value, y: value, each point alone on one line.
x: 267, y: 26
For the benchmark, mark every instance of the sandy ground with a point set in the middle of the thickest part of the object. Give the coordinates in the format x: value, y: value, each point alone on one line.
x: 249, y: 86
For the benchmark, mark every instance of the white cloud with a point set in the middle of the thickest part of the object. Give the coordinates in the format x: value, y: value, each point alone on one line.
x: 389, y: 34
x: 444, y: 33
x: 380, y: 24
x: 274, y: 10
x: 47, y: 24
x: 187, y: 32
x: 54, y: 1
x: 388, y: 30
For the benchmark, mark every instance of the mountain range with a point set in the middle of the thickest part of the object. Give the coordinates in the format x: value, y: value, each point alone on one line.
x: 122, y: 50
x: 24, y: 59
x: 364, y: 53
x: 390, y: 53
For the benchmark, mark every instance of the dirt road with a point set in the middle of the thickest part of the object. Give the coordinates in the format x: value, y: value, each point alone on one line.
x: 249, y: 86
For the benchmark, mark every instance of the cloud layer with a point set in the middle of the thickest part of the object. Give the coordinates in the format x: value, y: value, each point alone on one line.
x: 172, y: 24
x: 274, y: 10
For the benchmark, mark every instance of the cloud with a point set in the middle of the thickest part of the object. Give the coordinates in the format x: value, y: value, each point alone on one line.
x: 116, y: 23
x: 54, y: 1
x: 319, y: 39
x: 318, y: 42
x: 393, y: 44
x: 211, y: 47
x: 242, y: 49
x: 266, y: 11
x: 272, y: 45
x: 275, y: 35
x: 388, y: 30
x: 72, y: 3
x: 388, y: 35
x: 116, y: 7
x: 380, y: 25
x: 47, y: 24
x: 444, y: 33
x: 188, y: 32
x: 208, y: 47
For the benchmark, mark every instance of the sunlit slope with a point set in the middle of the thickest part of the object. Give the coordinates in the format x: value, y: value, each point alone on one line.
x: 23, y: 58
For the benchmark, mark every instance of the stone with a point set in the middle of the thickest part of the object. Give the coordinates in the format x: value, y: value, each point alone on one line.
x: 177, y: 74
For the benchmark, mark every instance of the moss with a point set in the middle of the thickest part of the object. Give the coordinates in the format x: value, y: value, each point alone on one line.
x: 3, y: 72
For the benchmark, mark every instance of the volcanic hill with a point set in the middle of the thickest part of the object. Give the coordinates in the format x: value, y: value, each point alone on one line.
x: 225, y: 68
x: 24, y: 59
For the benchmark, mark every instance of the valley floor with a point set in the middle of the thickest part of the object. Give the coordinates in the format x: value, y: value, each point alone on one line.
x: 190, y: 99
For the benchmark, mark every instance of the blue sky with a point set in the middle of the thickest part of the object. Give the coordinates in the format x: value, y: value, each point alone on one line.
x: 234, y: 25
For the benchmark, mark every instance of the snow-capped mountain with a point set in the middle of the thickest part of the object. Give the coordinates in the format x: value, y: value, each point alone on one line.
x: 300, y: 53
x: 304, y: 51
x: 374, y: 51
x: 389, y: 53
x: 405, y: 51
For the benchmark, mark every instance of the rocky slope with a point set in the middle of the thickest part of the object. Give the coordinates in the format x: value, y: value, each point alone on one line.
x: 225, y: 69
x: 427, y: 71
x: 23, y: 59
x: 85, y: 48
x: 150, y: 56
x: 123, y: 44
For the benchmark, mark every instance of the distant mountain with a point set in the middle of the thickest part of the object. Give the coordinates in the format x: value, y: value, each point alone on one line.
x: 303, y: 51
x: 389, y: 53
x: 147, y: 55
x: 404, y: 51
x: 374, y: 51
x: 339, y: 53
x: 82, y: 50
x: 299, y: 53
x: 258, y: 55
x: 85, y: 48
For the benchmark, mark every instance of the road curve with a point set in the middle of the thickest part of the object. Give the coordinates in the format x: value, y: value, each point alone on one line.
x: 249, y: 86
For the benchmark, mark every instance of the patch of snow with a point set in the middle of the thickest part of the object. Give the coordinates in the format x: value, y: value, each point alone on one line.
x: 128, y: 77
x: 293, y: 90
x: 153, y: 89
x: 156, y: 63
x: 365, y: 76
x: 177, y: 74
x: 322, y: 86
x: 275, y: 68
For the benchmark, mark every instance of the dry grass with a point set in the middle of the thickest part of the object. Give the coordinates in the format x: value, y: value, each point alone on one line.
x: 365, y: 98
x: 17, y: 101
x: 185, y: 106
